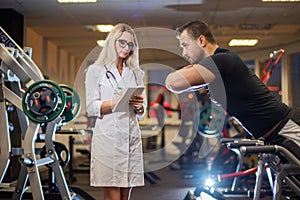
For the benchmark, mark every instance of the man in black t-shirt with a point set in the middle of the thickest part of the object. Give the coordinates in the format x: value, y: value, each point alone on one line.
x: 233, y: 86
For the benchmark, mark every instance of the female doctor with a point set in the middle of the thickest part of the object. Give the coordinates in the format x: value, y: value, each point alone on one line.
x: 116, y: 148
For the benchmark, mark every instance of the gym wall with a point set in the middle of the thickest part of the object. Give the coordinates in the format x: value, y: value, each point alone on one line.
x: 53, y: 60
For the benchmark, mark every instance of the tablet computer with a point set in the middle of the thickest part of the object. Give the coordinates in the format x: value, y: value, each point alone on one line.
x: 122, y: 105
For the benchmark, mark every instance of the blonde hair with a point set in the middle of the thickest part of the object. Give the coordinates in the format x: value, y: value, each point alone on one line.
x: 108, y: 53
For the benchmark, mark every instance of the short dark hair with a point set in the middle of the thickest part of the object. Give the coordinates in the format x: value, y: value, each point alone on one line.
x: 195, y: 29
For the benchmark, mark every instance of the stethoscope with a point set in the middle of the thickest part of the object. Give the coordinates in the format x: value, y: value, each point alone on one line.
x: 110, y: 76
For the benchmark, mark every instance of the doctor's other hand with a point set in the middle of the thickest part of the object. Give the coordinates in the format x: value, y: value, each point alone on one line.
x: 136, y: 102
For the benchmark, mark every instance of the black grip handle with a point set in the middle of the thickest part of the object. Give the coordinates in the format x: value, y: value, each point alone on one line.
x: 226, y: 140
x: 259, y: 149
x: 244, y: 143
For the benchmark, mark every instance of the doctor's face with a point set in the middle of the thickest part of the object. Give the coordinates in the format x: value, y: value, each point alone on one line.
x: 124, y: 45
x: 192, y: 50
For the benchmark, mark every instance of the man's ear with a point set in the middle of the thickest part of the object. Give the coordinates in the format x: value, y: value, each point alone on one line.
x: 202, y: 40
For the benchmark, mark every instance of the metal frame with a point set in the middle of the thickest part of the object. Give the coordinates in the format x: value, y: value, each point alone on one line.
x: 269, y: 163
x: 17, y: 67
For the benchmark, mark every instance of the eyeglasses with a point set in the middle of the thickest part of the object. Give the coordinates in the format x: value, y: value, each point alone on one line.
x: 124, y: 43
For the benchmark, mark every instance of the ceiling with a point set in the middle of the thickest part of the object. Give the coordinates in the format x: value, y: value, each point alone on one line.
x: 274, y: 24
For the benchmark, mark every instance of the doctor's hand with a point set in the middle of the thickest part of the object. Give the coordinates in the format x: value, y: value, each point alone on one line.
x: 136, y: 102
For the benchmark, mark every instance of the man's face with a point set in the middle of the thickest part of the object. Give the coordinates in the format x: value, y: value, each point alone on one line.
x: 191, y: 49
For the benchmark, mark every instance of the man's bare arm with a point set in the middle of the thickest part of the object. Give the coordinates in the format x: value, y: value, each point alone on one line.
x: 189, y: 78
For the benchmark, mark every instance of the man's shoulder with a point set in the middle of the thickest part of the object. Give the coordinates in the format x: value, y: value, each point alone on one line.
x: 227, y: 60
x: 221, y: 50
x: 224, y: 54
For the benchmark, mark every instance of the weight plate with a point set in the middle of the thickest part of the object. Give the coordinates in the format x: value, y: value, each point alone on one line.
x: 210, y: 120
x: 43, y: 101
x: 73, y: 104
x: 62, y: 152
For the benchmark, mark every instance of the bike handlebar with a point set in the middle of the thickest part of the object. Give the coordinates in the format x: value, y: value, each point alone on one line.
x: 270, y: 149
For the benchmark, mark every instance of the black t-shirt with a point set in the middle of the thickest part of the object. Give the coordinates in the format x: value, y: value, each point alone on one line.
x: 246, y: 98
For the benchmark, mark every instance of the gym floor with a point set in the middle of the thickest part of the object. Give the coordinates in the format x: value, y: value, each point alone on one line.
x: 170, y: 187
x: 174, y: 184
x: 175, y: 180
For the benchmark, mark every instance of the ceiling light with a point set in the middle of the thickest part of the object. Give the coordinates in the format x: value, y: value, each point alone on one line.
x: 104, y: 27
x: 77, y: 1
x: 280, y: 0
x: 243, y: 42
x: 101, y: 43
x: 255, y: 26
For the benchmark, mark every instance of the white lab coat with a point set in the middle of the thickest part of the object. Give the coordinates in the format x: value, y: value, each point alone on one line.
x: 116, y: 148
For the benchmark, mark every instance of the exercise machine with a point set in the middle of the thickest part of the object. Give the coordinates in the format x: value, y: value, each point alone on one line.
x: 38, y: 102
x: 276, y: 165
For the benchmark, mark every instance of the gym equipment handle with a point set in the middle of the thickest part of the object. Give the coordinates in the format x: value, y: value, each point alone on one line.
x: 238, y: 144
x: 259, y: 149
x: 271, y: 149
